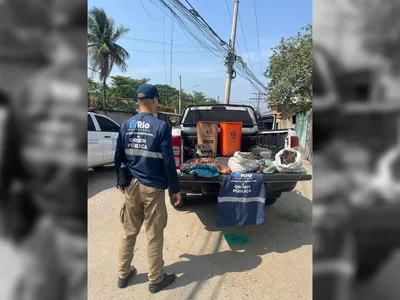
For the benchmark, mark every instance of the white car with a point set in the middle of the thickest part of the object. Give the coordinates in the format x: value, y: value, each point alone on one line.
x: 102, y: 140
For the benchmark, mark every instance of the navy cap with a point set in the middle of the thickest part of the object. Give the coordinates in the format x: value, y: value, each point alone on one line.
x: 147, y: 91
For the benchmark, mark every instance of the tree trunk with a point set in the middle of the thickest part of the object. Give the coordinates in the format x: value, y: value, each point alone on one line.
x: 104, y: 95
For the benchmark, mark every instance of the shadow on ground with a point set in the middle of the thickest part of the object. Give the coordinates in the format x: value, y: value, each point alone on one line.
x: 288, y: 223
x: 199, y: 268
x: 287, y: 227
x: 100, y: 180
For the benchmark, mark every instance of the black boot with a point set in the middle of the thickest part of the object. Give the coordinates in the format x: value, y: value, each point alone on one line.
x: 167, y: 280
x: 123, y: 282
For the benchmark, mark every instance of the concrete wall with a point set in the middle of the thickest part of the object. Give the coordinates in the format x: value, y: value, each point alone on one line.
x: 308, y: 150
x: 120, y: 116
x: 286, y: 122
x: 301, y: 128
x: 117, y: 116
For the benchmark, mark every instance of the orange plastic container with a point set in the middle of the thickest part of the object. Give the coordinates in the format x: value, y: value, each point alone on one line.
x: 230, y: 137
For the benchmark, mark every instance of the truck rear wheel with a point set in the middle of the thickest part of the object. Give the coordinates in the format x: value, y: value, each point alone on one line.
x: 270, y: 201
x: 98, y: 168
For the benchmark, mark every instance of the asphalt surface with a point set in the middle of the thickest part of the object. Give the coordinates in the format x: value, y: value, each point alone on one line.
x: 276, y: 263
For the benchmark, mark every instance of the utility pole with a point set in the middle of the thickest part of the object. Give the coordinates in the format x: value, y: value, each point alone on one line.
x: 172, y: 42
x: 180, y: 94
x: 259, y: 98
x: 231, y: 56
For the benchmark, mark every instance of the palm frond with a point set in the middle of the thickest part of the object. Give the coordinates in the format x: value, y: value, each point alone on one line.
x: 120, y: 62
x: 120, y: 52
x: 120, y: 32
x: 103, y: 51
x: 100, y: 19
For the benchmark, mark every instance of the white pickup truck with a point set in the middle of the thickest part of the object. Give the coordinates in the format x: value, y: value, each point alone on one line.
x: 102, y: 140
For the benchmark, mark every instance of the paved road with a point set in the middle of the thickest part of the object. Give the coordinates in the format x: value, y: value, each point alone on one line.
x: 275, y: 264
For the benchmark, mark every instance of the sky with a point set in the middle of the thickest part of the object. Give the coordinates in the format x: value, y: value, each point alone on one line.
x: 150, y: 37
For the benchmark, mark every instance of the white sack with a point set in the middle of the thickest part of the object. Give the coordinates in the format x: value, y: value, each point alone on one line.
x: 242, y: 165
x: 295, y: 167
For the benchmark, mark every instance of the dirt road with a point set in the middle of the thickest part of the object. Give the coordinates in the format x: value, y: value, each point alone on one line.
x: 275, y: 264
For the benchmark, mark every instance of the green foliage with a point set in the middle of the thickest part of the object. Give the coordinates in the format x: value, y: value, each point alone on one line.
x: 290, y: 72
x: 125, y: 87
x: 104, y: 53
x: 196, y: 98
x: 103, y: 50
x: 94, y: 88
x: 168, y: 95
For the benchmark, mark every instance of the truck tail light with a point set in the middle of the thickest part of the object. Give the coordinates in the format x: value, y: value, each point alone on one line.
x: 294, y: 142
x: 177, y: 146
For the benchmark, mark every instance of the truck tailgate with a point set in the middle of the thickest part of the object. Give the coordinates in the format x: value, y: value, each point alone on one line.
x: 276, y: 177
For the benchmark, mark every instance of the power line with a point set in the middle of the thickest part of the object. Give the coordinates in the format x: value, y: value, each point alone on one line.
x: 158, y: 42
x: 159, y: 52
x: 227, y: 9
x: 141, y: 2
x: 165, y: 64
x: 258, y: 39
x: 194, y: 25
x: 205, y: 23
x: 259, y: 98
x: 168, y: 44
x: 98, y: 72
x: 191, y: 21
x: 245, y: 43
x: 172, y: 41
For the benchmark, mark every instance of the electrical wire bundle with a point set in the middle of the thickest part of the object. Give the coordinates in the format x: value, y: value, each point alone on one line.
x: 194, y: 25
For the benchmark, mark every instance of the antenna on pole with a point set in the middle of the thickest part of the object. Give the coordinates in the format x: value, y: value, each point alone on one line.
x: 259, y: 98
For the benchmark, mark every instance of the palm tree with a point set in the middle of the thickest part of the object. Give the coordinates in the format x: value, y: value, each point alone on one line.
x: 103, y: 50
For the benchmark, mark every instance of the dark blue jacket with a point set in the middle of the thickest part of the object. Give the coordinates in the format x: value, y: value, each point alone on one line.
x: 145, y: 144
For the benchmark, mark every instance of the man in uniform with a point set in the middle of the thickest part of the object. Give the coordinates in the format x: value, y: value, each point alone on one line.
x: 48, y: 154
x: 144, y: 145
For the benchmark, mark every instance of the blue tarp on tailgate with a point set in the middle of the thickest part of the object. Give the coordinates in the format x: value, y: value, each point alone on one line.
x: 241, y: 200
